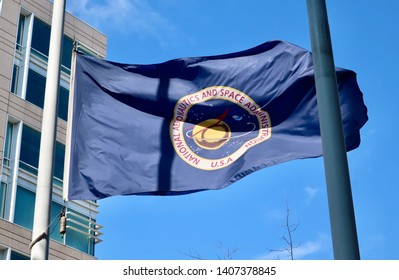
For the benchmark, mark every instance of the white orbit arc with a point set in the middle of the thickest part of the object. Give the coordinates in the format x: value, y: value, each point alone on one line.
x: 224, y: 138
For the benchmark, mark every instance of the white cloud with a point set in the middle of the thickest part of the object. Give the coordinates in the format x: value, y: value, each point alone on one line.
x: 123, y: 16
x: 300, y: 252
x: 311, y: 193
x: 305, y: 250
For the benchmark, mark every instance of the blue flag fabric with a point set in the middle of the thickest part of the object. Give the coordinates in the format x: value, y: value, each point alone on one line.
x: 199, y: 123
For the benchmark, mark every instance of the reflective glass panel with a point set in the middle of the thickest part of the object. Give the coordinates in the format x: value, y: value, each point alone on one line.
x: 24, y: 208
x: 36, y: 88
x: 3, y: 189
x: 30, y: 149
x: 63, y: 98
x: 40, y: 37
x: 18, y: 257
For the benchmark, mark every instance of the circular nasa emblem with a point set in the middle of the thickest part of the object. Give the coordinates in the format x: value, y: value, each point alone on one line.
x: 214, y: 127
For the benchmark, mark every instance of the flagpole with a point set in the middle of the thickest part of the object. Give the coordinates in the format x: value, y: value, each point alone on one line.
x: 40, y: 233
x: 342, y: 217
x: 68, y: 138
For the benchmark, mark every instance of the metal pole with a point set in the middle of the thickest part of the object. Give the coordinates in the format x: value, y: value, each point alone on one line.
x: 68, y: 137
x: 40, y: 234
x: 342, y: 217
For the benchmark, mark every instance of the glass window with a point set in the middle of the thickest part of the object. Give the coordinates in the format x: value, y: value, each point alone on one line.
x: 36, y: 80
x: 3, y: 188
x: 19, y: 47
x: 40, y: 38
x: 41, y: 41
x: 36, y: 88
x: 6, y: 163
x: 20, y: 33
x: 15, y: 79
x: 67, y: 47
x: 7, y: 145
x: 24, y: 214
x: 24, y: 208
x: 55, y: 222
x: 30, y: 149
x: 76, y: 239
x: 3, y: 253
x: 18, y: 257
x: 63, y: 99
x: 59, y: 160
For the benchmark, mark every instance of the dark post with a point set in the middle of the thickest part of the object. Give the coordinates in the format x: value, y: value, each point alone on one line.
x: 342, y: 217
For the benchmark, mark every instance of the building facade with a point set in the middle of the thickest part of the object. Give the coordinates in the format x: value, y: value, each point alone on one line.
x: 24, y: 46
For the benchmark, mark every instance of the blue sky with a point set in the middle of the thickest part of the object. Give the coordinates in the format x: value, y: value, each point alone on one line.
x: 248, y: 216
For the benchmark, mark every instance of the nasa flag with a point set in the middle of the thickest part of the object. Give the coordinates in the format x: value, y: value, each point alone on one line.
x: 198, y: 123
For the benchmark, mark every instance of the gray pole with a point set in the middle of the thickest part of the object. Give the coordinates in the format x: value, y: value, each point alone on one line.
x: 40, y: 233
x: 342, y: 217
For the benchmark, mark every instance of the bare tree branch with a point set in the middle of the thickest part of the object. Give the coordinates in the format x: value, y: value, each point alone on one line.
x: 288, y: 239
x: 227, y: 253
x: 195, y: 257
